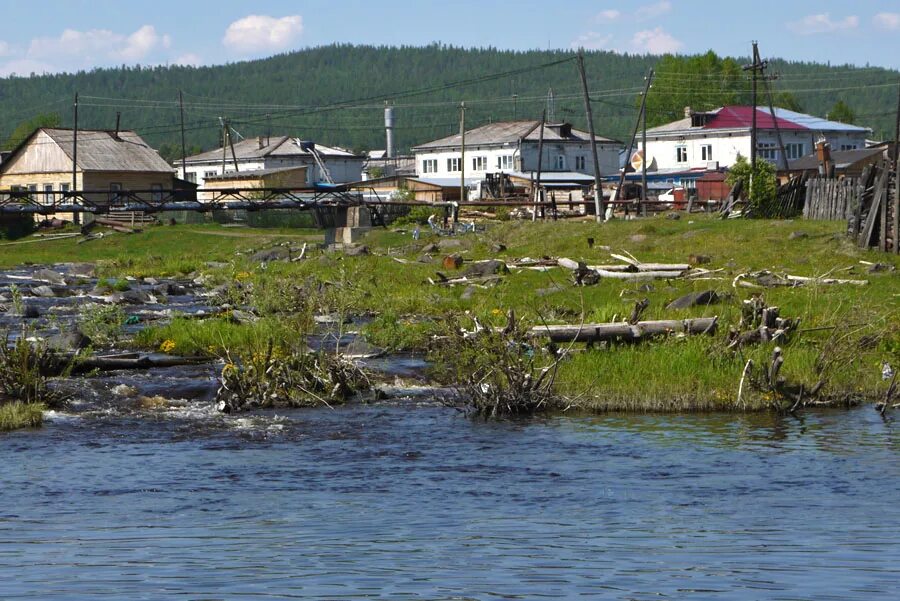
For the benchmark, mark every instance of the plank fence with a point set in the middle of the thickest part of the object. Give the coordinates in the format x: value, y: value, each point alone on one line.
x: 830, y: 198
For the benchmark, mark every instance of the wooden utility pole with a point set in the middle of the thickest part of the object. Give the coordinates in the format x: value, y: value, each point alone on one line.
x: 537, y: 184
x: 644, y: 157
x: 599, y: 205
x: 637, y: 123
x: 231, y: 143
x: 224, y: 142
x: 897, y: 129
x: 755, y: 67
x: 897, y: 176
x: 183, y: 151
x: 75, y: 147
x: 462, y: 152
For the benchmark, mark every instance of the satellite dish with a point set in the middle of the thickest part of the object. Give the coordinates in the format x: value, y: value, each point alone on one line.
x: 637, y: 160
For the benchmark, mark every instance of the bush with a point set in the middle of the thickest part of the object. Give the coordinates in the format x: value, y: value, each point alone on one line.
x: 23, y: 372
x: 761, y: 199
x: 417, y: 215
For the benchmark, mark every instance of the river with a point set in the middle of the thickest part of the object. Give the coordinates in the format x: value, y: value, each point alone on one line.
x: 410, y: 500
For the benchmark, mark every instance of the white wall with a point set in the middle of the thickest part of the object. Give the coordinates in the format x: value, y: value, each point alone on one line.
x: 725, y: 148
x: 524, y: 160
x: 342, y: 170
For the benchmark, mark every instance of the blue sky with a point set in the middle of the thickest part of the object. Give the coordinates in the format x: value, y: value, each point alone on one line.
x: 53, y: 36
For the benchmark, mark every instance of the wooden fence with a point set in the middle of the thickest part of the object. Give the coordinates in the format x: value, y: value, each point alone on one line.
x: 831, y: 198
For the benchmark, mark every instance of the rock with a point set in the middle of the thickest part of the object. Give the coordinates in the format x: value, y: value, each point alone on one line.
x: 133, y: 297
x: 637, y: 237
x: 72, y: 340
x: 673, y: 216
x: 694, y: 299
x: 645, y: 288
x: 548, y: 290
x: 425, y: 259
x: 216, y: 264
x: 485, y: 268
x: 468, y: 293
x: 49, y: 276
x: 30, y: 311
x: 270, y: 254
x: 498, y: 248
x: 151, y: 281
x: 430, y: 248
x: 244, y: 317
x: 82, y: 270
x: 879, y: 267
x: 449, y: 243
x: 43, y: 291
x: 173, y: 289
x: 356, y: 251
x: 452, y: 262
x: 124, y: 390
x: 798, y: 236
x: 699, y: 259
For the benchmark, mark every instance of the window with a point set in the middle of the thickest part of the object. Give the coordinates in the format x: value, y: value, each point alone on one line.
x: 208, y: 174
x: 849, y: 146
x: 191, y: 177
x: 429, y: 166
x: 560, y: 162
x: 64, y: 188
x: 580, y: 163
x: 681, y: 154
x: 706, y: 152
x: 32, y: 187
x: 505, y: 161
x: 156, y: 192
x: 113, y: 189
x: 766, y: 150
x: 48, y: 194
x: 453, y: 164
x: 479, y: 163
x: 794, y: 151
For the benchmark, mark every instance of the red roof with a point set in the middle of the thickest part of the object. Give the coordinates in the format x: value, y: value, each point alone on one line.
x: 734, y: 117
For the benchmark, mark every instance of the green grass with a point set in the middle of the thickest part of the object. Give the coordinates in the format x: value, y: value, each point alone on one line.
x: 405, y: 310
x: 20, y: 415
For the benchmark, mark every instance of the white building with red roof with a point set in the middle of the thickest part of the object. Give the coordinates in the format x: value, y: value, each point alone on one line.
x: 711, y: 139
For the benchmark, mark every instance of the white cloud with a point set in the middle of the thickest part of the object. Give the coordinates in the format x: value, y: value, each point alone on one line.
x: 4, y: 48
x: 593, y: 41
x: 261, y: 33
x: 652, y: 11
x: 24, y: 67
x: 605, y: 16
x: 655, y: 41
x: 189, y: 60
x: 75, y: 49
x: 888, y: 21
x: 823, y: 23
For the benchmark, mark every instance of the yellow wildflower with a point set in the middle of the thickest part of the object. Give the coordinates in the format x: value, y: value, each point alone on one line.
x: 167, y: 346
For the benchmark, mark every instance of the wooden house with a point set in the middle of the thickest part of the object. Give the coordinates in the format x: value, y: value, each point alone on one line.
x: 107, y: 164
x: 286, y: 177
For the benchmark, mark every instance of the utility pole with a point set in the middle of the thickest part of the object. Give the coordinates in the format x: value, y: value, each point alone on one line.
x: 462, y: 152
x: 224, y: 142
x: 231, y: 143
x: 75, y: 147
x: 183, y: 152
x: 897, y: 134
x: 515, y: 107
x: 644, y: 154
x: 537, y: 184
x: 754, y: 68
x: 637, y: 124
x: 599, y: 207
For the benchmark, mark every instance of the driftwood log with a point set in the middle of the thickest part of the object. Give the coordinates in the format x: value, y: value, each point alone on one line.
x: 609, y: 332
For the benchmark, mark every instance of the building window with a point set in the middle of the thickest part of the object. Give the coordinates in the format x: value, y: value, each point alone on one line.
x: 156, y: 193
x: 706, y: 152
x: 64, y: 188
x: 580, y: 163
x: 505, y: 161
x: 479, y: 163
x: 114, y: 188
x: 48, y: 194
x: 209, y: 174
x: 766, y: 150
x: 794, y: 151
x: 849, y: 147
x: 191, y: 177
x: 681, y: 154
x: 453, y: 164
x: 429, y: 166
x: 560, y: 162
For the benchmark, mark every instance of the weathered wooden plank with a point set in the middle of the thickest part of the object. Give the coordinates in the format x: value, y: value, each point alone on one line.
x: 624, y: 331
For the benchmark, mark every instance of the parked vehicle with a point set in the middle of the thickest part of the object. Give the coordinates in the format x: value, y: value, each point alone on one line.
x: 676, y: 197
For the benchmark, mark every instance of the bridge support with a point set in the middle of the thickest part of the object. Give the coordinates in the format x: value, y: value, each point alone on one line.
x: 357, y: 221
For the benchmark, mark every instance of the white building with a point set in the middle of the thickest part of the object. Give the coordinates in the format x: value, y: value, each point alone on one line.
x: 715, y: 138
x: 512, y: 147
x: 325, y: 164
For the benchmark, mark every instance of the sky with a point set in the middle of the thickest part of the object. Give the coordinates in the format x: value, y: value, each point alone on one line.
x: 51, y: 36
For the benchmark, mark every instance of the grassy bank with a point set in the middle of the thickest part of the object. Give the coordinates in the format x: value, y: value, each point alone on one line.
x: 20, y: 415
x: 846, y: 331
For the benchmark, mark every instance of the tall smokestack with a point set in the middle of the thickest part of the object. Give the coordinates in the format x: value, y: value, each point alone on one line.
x: 389, y: 130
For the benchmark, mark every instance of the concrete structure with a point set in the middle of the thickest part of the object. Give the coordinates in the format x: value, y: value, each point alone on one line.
x: 716, y: 138
x: 108, y: 163
x: 512, y: 146
x: 323, y: 163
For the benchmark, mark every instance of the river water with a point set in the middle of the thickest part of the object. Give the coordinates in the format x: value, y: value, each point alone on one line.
x: 141, y: 490
x: 411, y: 500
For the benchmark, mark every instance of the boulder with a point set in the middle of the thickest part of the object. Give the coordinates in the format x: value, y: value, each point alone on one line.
x: 498, y: 248
x: 452, y: 262
x: 449, y: 243
x: 43, y: 291
x: 71, y: 340
x: 133, y: 297
x: 673, y: 216
x: 699, y: 259
x: 425, y: 259
x: 694, y: 299
x: 430, y: 248
x: 270, y: 254
x: 81, y: 270
x: 798, y: 236
x: 356, y: 251
x: 485, y: 268
x: 49, y: 276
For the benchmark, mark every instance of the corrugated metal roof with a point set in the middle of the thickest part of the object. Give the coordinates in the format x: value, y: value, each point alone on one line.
x: 841, y: 159
x: 741, y: 117
x: 737, y: 117
x: 253, y: 173
x: 100, y: 150
x: 275, y: 146
x: 510, y: 132
x: 815, y: 123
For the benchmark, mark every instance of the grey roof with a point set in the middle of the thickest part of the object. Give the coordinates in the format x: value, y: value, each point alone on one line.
x: 253, y: 173
x: 841, y: 159
x: 554, y: 176
x: 510, y: 132
x: 275, y: 146
x: 100, y: 150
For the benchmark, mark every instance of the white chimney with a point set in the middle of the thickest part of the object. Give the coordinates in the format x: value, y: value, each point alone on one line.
x: 389, y: 130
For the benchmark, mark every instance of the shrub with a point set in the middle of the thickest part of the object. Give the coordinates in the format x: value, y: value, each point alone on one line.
x: 761, y: 198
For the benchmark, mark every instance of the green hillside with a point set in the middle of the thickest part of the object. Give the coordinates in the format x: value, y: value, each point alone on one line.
x: 335, y: 94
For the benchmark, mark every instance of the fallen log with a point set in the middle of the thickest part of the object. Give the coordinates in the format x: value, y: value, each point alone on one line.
x: 806, y: 280
x: 128, y: 361
x: 637, y: 275
x: 607, y: 332
x: 115, y: 225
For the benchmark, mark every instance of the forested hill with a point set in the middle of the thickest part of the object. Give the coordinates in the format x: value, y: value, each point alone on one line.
x: 335, y: 94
